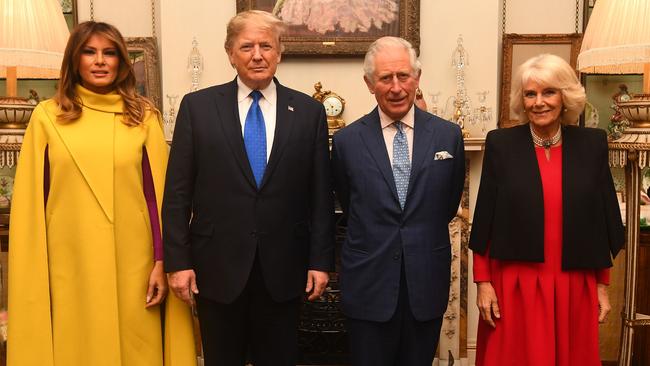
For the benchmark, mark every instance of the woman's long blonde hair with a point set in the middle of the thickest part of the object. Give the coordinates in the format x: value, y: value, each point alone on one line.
x: 135, y: 106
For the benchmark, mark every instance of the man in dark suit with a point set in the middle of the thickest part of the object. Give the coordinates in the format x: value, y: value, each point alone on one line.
x: 247, y: 212
x: 399, y: 174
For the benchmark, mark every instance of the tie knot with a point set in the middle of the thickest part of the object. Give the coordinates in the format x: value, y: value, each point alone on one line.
x: 399, y: 125
x: 256, y: 95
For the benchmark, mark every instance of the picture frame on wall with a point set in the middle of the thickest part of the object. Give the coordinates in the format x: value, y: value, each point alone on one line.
x: 69, y: 8
x: 517, y: 48
x: 315, y: 28
x: 143, y: 52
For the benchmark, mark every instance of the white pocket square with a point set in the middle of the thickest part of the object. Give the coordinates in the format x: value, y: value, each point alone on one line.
x: 442, y: 155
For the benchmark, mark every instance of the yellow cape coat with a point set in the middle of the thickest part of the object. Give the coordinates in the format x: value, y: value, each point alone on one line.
x: 79, y: 266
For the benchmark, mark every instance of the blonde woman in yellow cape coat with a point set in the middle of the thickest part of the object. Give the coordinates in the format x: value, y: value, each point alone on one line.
x: 81, y: 259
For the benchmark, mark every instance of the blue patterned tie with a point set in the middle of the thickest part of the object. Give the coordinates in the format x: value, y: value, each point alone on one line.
x: 401, y: 163
x: 255, y: 138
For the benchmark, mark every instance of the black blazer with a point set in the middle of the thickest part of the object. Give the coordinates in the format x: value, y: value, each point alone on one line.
x: 216, y: 221
x: 509, y: 213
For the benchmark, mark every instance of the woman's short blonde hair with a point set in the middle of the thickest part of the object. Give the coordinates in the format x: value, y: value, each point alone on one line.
x: 553, y: 72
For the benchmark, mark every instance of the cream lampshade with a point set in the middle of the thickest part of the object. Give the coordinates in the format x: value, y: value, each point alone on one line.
x: 33, y: 35
x: 617, y: 41
x: 617, y: 38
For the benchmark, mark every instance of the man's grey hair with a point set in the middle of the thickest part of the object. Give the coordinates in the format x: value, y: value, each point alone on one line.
x: 384, y: 43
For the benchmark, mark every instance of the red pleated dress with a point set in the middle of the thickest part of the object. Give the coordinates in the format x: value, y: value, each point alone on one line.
x: 548, y: 316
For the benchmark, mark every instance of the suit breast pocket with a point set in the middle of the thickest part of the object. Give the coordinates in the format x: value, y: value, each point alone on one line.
x: 438, y: 172
x: 299, y: 150
x: 440, y: 163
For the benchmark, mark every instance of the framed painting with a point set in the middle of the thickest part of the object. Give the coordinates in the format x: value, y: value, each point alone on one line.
x: 517, y: 48
x: 342, y: 27
x: 143, y: 52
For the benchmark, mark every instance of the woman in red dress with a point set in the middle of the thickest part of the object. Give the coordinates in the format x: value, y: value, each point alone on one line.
x: 545, y: 228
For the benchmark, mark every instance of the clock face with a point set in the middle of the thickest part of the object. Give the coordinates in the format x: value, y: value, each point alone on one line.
x: 333, y: 106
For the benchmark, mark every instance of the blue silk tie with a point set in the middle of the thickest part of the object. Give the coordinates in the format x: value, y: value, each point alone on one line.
x: 255, y: 138
x: 401, y: 163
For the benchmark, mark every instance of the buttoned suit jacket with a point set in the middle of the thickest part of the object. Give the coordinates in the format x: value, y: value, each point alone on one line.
x: 216, y: 220
x: 379, y: 232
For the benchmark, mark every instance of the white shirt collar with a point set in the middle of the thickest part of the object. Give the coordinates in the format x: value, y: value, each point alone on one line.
x: 269, y: 93
x: 408, y: 119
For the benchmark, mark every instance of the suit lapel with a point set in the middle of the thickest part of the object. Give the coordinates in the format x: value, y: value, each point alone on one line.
x: 226, y: 100
x: 523, y: 151
x: 373, y: 138
x: 570, y: 164
x: 284, y: 122
x: 422, y: 140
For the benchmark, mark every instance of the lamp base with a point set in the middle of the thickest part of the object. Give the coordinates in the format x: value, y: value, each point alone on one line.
x: 15, y: 112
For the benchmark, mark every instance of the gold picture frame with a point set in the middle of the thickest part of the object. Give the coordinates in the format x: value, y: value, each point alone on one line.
x: 517, y: 48
x: 323, y: 35
x: 69, y: 8
x: 143, y: 52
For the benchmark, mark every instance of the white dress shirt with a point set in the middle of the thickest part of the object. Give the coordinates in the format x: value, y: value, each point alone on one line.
x: 268, y: 105
x: 389, y: 131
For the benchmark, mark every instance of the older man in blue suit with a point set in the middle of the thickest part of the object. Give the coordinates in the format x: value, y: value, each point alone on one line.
x: 399, y: 174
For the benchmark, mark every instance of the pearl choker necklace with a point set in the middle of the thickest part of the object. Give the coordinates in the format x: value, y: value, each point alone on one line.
x: 546, y: 143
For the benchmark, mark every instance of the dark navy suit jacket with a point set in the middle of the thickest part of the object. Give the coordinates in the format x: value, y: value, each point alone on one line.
x: 380, y: 233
